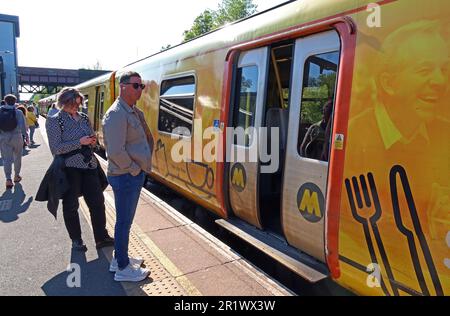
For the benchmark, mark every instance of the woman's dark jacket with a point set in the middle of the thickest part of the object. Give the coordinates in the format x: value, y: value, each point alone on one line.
x: 55, y: 183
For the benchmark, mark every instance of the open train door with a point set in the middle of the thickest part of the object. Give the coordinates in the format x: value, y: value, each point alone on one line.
x: 99, y: 104
x: 315, y: 69
x: 248, y: 106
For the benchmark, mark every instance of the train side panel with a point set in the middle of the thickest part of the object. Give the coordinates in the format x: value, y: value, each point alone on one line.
x: 195, y: 176
x: 395, y: 207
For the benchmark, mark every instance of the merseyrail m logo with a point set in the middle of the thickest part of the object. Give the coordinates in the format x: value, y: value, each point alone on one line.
x: 238, y: 177
x: 310, y: 202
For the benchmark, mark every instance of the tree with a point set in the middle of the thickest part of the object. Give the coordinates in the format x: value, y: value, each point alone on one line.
x: 228, y: 11
x: 37, y: 96
x: 96, y: 66
x: 233, y: 10
x: 204, y: 23
x: 165, y: 47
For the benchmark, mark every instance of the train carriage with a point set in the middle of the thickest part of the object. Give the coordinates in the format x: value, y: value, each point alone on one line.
x: 353, y: 183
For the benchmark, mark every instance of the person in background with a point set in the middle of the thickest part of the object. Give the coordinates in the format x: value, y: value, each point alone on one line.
x: 53, y: 110
x: 31, y: 122
x: 70, y: 135
x: 128, y: 143
x: 36, y: 109
x: 315, y: 144
x: 12, y: 135
x: 24, y: 111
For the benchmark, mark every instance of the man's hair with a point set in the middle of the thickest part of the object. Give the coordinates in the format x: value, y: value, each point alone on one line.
x: 10, y: 99
x: 125, y: 78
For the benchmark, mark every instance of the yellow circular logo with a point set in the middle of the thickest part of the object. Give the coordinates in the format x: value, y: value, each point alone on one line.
x: 238, y: 177
x: 310, y: 202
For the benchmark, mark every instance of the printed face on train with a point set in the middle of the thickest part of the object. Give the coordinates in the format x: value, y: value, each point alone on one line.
x: 419, y: 79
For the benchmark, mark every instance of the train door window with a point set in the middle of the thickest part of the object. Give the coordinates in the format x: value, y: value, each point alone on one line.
x: 85, y: 107
x: 246, y: 96
x: 176, y: 105
x: 316, y: 114
x: 99, y: 103
x: 279, y: 75
x: 102, y: 104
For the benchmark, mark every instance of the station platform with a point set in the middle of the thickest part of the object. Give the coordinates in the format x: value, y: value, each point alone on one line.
x: 183, y: 258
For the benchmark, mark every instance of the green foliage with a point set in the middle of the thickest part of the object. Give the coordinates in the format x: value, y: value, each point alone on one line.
x: 165, y: 47
x: 233, y: 10
x: 315, y: 95
x: 37, y: 96
x: 228, y: 11
x: 204, y: 23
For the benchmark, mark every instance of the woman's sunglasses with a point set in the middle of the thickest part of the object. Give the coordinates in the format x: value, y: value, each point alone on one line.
x: 137, y: 85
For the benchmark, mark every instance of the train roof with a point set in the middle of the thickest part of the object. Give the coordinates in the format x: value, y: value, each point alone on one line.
x: 283, y: 16
x: 216, y: 30
x: 95, y: 81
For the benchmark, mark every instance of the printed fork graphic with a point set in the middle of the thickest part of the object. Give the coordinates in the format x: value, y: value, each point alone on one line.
x: 368, y: 215
x: 366, y: 209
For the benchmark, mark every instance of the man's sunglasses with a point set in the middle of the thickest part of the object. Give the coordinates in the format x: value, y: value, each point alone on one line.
x: 136, y: 85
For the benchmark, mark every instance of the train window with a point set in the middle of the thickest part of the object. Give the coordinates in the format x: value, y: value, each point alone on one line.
x: 84, y: 107
x: 244, y: 117
x: 176, y: 105
x: 316, y: 115
x: 102, y: 104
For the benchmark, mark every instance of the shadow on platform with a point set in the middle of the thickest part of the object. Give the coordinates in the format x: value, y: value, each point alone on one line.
x: 12, y: 204
x: 34, y: 146
x: 84, y: 278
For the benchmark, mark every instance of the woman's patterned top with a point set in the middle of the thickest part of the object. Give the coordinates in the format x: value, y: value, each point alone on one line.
x: 64, y: 133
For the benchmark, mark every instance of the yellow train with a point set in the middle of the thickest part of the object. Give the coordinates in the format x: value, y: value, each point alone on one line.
x: 359, y: 93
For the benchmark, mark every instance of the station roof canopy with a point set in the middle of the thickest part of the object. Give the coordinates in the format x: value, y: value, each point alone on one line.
x: 12, y: 19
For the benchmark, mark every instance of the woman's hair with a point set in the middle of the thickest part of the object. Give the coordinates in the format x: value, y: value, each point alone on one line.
x: 23, y: 109
x: 68, y: 96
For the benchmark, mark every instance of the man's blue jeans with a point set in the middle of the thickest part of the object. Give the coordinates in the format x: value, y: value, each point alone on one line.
x: 126, y: 195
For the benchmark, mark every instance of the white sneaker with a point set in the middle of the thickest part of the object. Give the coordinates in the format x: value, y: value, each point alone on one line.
x: 113, y: 267
x: 131, y: 274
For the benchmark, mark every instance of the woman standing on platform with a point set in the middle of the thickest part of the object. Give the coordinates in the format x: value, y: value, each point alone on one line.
x: 70, y: 135
x: 31, y: 122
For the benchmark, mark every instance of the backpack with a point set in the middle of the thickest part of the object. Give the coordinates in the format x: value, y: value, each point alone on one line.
x: 8, y: 121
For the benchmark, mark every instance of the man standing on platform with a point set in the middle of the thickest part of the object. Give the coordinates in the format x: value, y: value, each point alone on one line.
x: 128, y: 143
x: 13, y: 133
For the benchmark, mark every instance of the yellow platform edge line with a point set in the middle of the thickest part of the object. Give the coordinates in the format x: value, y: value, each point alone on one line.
x: 190, y: 289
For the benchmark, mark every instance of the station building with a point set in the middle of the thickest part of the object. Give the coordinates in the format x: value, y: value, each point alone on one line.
x: 9, y: 32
